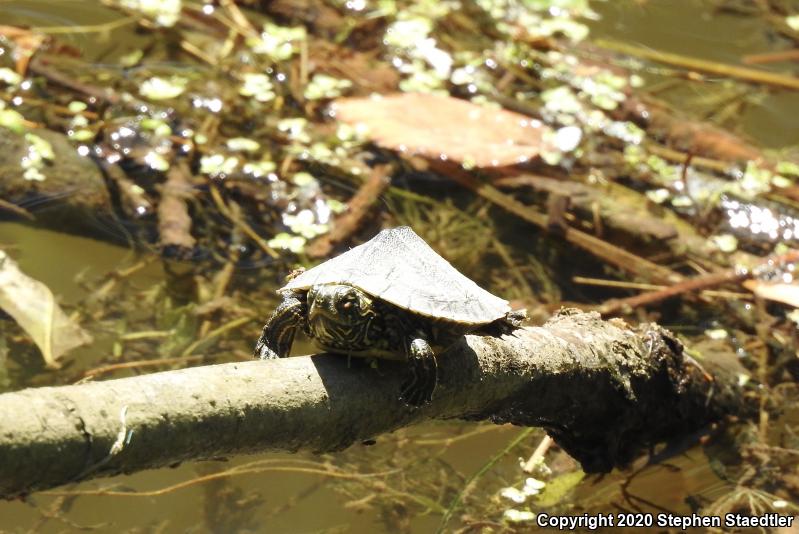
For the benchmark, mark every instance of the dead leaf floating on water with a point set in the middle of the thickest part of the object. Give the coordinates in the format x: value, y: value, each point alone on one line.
x: 27, y: 43
x: 445, y: 128
x: 33, y: 307
x: 787, y: 293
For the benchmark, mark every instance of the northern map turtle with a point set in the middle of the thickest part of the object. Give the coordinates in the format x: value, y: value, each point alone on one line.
x: 392, y: 297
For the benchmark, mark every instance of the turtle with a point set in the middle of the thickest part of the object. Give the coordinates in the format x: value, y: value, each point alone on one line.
x: 392, y: 297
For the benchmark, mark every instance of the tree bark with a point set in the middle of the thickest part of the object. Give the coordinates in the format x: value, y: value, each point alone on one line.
x: 602, y: 390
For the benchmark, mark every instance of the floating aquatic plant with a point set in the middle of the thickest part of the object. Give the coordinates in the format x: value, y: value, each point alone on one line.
x: 39, y: 152
x: 157, y: 126
x: 286, y: 241
x: 156, y: 161
x: 324, y: 86
x: 787, y: 167
x: 725, y: 242
x: 157, y: 88
x: 753, y: 181
x: 163, y: 12
x: 659, y: 195
x: 562, y: 100
x: 295, y: 129
x: 259, y: 169
x: 416, y: 54
x: 473, y: 73
x: 11, y: 119
x: 305, y: 224
x: 518, y: 516
x: 513, y: 494
x: 626, y: 131
x: 76, y: 106
x: 532, y: 486
x: 277, y: 42
x: 9, y: 77
x: 258, y: 86
x: 243, y: 144
x: 216, y: 165
x: 540, y: 19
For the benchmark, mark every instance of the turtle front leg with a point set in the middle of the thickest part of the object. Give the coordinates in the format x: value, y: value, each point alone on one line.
x: 420, y: 386
x: 278, y: 333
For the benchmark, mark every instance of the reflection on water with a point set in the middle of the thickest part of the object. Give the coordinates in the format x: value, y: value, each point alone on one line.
x: 760, y: 221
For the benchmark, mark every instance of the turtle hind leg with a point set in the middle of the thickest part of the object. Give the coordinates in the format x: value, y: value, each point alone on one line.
x: 278, y: 333
x: 418, y: 389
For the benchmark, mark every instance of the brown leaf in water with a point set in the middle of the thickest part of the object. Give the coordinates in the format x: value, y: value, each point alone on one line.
x: 776, y: 291
x: 445, y: 128
x: 27, y: 43
x: 33, y: 307
x: 13, y: 32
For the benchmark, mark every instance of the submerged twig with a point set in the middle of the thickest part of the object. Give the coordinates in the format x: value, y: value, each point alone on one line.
x: 18, y: 210
x: 359, y: 207
x: 705, y: 281
x: 612, y: 254
x: 239, y: 221
x: 771, y: 57
x: 244, y: 25
x: 174, y: 221
x: 114, y: 277
x: 538, y: 455
x: 246, y: 469
x: 40, y: 66
x: 86, y: 28
x: 687, y: 286
x: 222, y: 278
x: 213, y: 334
x: 134, y: 198
x: 702, y: 65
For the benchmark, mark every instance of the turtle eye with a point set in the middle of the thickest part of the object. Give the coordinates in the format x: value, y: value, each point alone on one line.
x: 350, y: 303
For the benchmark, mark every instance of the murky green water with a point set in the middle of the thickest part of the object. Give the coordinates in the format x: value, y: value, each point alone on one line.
x: 691, y: 28
x: 298, y: 502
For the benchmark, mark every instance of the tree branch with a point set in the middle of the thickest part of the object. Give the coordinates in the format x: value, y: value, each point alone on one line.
x: 604, y: 391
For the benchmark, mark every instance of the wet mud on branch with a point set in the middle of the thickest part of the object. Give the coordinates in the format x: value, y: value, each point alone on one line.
x: 604, y: 391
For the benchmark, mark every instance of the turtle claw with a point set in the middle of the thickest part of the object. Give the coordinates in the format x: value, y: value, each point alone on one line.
x: 419, y: 388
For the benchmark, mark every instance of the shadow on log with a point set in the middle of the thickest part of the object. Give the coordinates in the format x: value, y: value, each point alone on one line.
x: 604, y: 392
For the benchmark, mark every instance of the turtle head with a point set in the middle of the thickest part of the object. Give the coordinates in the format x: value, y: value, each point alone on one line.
x: 339, y: 315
